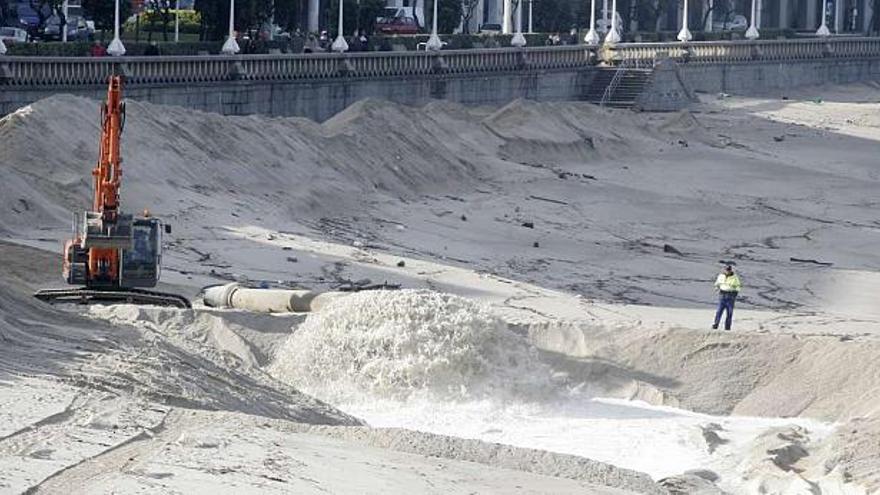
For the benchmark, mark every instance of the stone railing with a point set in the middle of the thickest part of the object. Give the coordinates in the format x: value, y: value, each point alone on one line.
x: 718, y: 52
x: 80, y: 71
x: 86, y: 71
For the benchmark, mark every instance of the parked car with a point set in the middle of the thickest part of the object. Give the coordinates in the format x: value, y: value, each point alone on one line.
x: 490, y: 28
x: 11, y: 35
x: 423, y: 46
x: 391, y: 13
x: 76, y: 28
x: 398, y: 25
x: 732, y: 22
x: 29, y: 20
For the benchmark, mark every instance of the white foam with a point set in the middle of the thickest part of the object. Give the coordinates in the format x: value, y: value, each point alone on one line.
x: 400, y: 344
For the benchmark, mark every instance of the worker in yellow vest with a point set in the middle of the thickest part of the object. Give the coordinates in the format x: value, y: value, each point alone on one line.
x: 728, y: 286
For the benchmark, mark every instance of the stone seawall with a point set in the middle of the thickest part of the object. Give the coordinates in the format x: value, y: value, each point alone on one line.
x: 319, y: 99
x: 764, y: 76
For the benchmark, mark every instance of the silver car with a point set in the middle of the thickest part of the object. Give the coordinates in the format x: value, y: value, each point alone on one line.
x: 13, y: 35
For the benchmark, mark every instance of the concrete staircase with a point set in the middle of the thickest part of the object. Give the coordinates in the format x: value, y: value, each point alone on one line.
x: 618, y: 87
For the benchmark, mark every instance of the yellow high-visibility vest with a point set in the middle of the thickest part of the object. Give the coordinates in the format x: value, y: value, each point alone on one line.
x: 728, y: 283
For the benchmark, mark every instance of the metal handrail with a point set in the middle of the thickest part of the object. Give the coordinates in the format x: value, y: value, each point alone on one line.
x: 615, y: 82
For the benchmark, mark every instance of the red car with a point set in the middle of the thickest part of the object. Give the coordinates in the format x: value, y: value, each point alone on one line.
x: 398, y: 25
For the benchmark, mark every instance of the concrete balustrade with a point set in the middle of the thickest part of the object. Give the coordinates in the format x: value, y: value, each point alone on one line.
x: 75, y: 71
x: 84, y: 71
x: 715, y: 52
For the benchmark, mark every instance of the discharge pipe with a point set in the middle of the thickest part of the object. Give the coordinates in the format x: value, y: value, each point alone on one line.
x: 267, y: 300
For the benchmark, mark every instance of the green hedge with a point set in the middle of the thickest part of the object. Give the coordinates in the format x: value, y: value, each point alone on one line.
x: 72, y: 49
x: 190, y: 22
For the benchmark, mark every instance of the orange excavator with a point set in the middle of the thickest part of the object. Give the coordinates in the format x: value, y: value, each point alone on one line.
x: 113, y: 255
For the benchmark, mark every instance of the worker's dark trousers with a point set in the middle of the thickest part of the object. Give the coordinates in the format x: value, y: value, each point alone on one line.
x: 725, y: 303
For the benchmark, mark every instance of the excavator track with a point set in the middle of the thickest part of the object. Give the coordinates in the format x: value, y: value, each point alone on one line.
x: 113, y: 296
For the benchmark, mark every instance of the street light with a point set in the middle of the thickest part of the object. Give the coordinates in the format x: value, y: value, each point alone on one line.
x: 64, y: 27
x: 752, y: 32
x: 434, y: 44
x: 177, y: 21
x: 685, y: 35
x: 339, y: 44
x: 592, y: 37
x: 518, y: 39
x: 116, y: 47
x: 613, y: 35
x: 230, y: 47
x: 823, y: 29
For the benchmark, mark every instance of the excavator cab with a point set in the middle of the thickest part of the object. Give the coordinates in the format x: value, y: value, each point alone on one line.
x: 141, y: 263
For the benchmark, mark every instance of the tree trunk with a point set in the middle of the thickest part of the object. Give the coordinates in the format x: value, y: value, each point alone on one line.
x: 166, y: 19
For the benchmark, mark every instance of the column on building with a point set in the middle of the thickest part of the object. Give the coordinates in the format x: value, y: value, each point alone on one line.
x: 477, y: 19
x: 868, y: 14
x: 419, y: 11
x: 812, y: 6
x: 633, y: 16
x: 506, y: 12
x: 679, y: 11
x: 838, y: 16
x: 708, y: 5
x: 784, y: 21
x: 314, y: 13
x: 492, y: 11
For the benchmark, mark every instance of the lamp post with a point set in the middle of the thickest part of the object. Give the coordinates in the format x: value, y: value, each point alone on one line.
x: 685, y: 35
x: 823, y: 29
x: 230, y: 47
x: 752, y: 32
x: 339, y: 44
x: 434, y: 44
x: 116, y: 47
x: 177, y: 21
x: 592, y: 37
x: 613, y: 36
x: 518, y: 39
x: 63, y: 28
